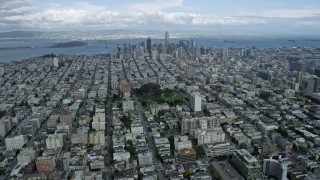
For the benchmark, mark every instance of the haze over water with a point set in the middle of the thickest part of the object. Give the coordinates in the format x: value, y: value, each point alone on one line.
x: 42, y: 47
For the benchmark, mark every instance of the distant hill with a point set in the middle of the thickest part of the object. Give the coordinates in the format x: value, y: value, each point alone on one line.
x: 69, y: 44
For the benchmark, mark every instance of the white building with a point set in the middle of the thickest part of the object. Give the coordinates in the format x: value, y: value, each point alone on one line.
x: 15, y: 142
x: 163, y: 146
x: 99, y: 122
x: 80, y: 138
x: 145, y: 159
x: 182, y: 142
x: 225, y: 55
x: 127, y: 105
x: 26, y: 156
x: 136, y: 128
x: 209, y: 136
x: 97, y: 138
x: 121, y: 156
x: 102, y: 91
x: 154, y: 54
x: 55, y: 62
x: 189, y: 125
x: 195, y: 102
x: 54, y: 141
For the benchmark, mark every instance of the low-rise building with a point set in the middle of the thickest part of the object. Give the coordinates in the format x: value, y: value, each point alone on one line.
x: 187, y: 155
x: 145, y: 159
x: 26, y: 155
x: 46, y: 164
x: 16, y: 142
x: 54, y: 141
x: 218, y: 149
x: 210, y: 136
x: 247, y: 165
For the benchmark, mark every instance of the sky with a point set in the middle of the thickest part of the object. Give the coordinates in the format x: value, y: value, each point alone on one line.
x: 221, y: 16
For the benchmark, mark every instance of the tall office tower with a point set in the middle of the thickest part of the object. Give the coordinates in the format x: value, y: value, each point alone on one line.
x: 195, y: 102
x: 1, y: 70
x: 225, y: 55
x: 166, y: 40
x: 313, y: 86
x: 299, y: 78
x: 149, y: 45
x: 192, y: 43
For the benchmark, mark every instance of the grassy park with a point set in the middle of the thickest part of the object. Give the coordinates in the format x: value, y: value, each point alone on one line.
x: 151, y: 92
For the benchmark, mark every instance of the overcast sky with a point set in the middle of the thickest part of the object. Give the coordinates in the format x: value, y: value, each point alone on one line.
x: 232, y: 16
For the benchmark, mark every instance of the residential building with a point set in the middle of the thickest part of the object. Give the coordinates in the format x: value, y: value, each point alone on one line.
x: 218, y: 149
x: 247, y: 165
x: 97, y: 138
x: 189, y: 125
x: 79, y: 138
x: 26, y: 156
x: 46, y: 164
x: 195, y: 102
x: 16, y: 142
x: 210, y: 136
x: 276, y: 167
x: 187, y: 155
x: 127, y: 105
x: 163, y: 146
x: 99, y: 122
x: 54, y: 141
x: 145, y: 159
x: 182, y: 142
x: 136, y: 128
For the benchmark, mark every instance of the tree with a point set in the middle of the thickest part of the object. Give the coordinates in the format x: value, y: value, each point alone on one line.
x: 283, y: 132
x: 199, y: 151
x: 216, y: 174
x: 130, y: 148
x: 106, y: 160
x: 126, y: 120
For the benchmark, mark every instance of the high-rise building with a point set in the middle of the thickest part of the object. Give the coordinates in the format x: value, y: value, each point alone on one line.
x: 149, y: 45
x: 55, y: 62
x: 225, y: 55
x: 192, y: 43
x: 313, y: 86
x: 299, y: 78
x: 195, y: 102
x: 1, y: 70
x: 154, y: 54
x: 166, y: 40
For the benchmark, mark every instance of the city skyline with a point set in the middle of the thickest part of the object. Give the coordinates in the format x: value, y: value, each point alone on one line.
x: 231, y: 17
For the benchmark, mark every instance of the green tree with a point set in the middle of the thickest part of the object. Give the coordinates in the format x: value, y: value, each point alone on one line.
x: 126, y: 120
x: 215, y: 174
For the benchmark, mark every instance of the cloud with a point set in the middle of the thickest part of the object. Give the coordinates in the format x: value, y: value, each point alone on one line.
x: 13, y: 4
x: 285, y: 13
x: 155, y: 5
x: 26, y: 15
